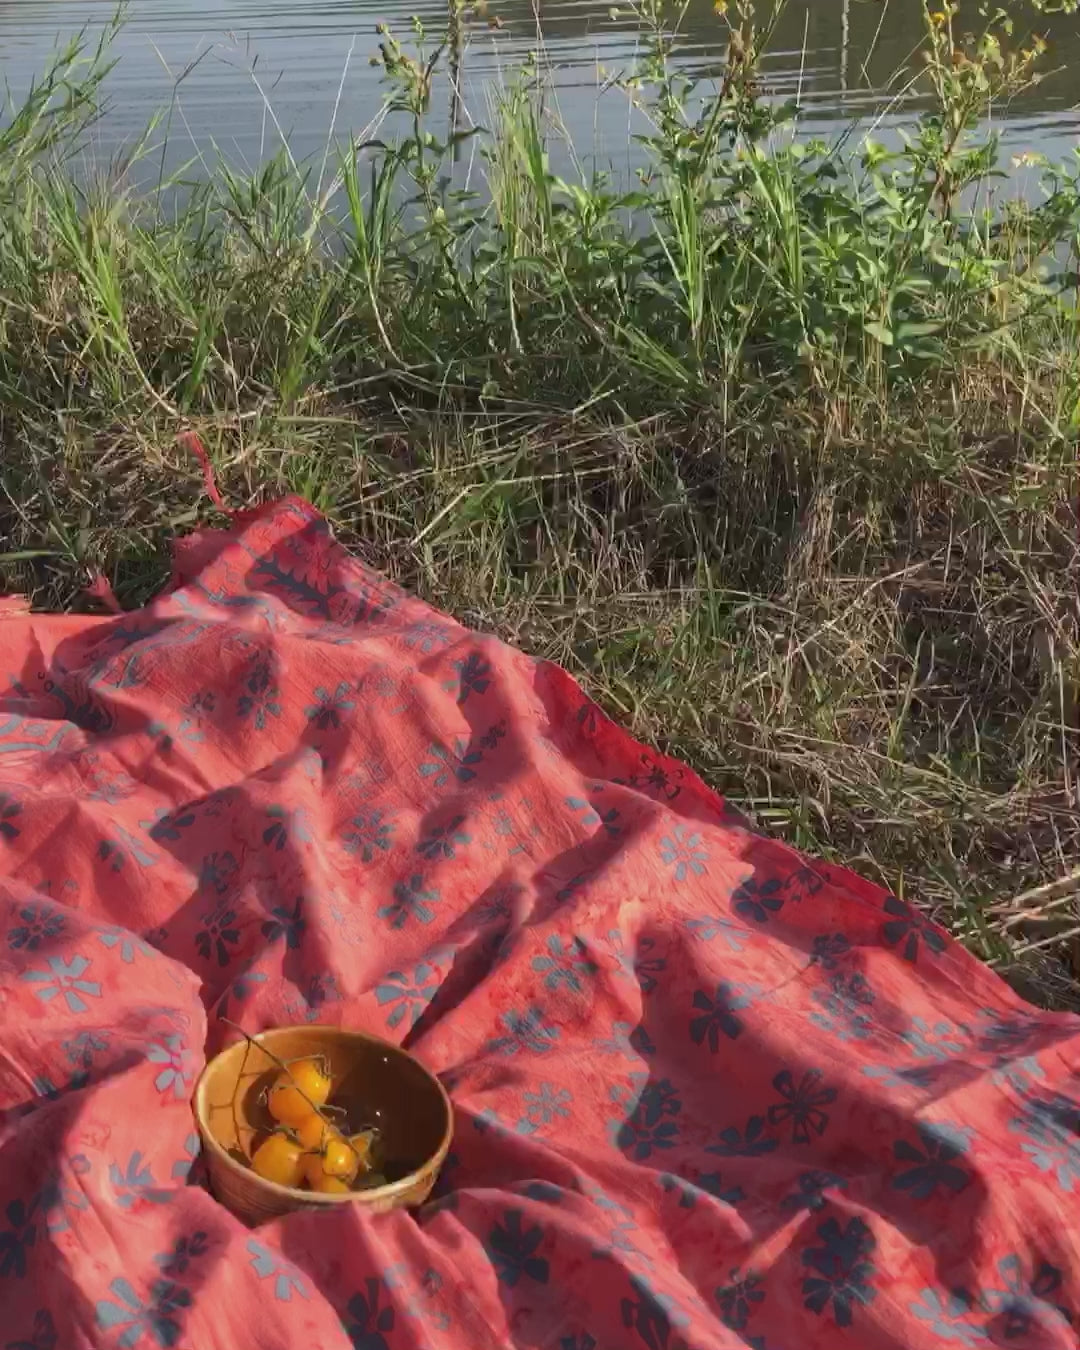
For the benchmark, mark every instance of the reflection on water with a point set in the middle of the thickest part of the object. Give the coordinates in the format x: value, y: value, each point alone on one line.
x: 253, y: 67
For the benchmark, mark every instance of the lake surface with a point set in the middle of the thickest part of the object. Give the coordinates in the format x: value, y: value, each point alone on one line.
x: 249, y: 62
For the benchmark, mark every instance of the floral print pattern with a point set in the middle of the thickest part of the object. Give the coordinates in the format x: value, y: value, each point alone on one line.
x: 706, y: 1090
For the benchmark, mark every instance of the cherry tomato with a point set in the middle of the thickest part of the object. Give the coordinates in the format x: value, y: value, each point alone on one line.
x: 279, y: 1159
x: 337, y: 1159
x: 312, y: 1132
x: 331, y: 1185
x: 298, y: 1092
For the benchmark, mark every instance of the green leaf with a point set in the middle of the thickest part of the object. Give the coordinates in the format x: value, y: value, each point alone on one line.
x: 878, y: 330
x: 914, y: 330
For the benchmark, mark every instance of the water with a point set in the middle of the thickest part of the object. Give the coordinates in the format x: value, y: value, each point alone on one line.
x: 241, y: 73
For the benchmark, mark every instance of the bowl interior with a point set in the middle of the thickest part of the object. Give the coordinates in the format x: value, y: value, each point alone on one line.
x: 375, y: 1082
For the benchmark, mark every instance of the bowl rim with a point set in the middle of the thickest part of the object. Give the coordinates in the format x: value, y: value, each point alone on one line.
x: 315, y: 1198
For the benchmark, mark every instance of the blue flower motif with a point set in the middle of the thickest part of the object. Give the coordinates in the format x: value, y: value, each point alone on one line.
x: 486, y: 1120
x: 640, y: 967
x: 758, y: 900
x: 177, y: 1066
x: 17, y: 1239
x: 685, y: 851
x: 315, y: 991
x: 1052, y: 1141
x: 285, y: 822
x: 1025, y: 1305
x: 653, y: 1314
x: 655, y: 777
x: 648, y: 1124
x: 897, y: 1079
x: 802, y: 1103
x: 63, y: 1192
x: 474, y: 676
x: 545, y: 1192
x: 621, y: 1245
x: 445, y: 840
x: 370, y: 833
x: 217, y: 871
x: 550, y: 1102
x: 934, y: 1162
x: 567, y: 963
x: 573, y: 885
x: 937, y: 1041
x: 64, y: 978
x: 411, y: 901
x: 366, y: 1324
x: 739, y: 1299
x: 287, y: 1279
x: 43, y: 1335
x: 115, y: 787
x: 10, y: 807
x: 446, y: 765
x: 287, y: 923
x: 842, y: 1268
x: 241, y: 989
x: 1022, y: 1075
x: 604, y: 1202
x: 181, y: 1169
x: 218, y: 933
x: 582, y: 1340
x: 262, y: 700
x: 165, y: 828
x: 129, y: 943
x: 198, y: 711
x: 708, y: 1183
x: 184, y: 1251
x: 40, y: 924
x: 525, y: 1031
x: 810, y: 1195
x: 411, y: 993
x: 123, y: 848
x: 329, y: 707
x: 734, y: 1143
x: 829, y: 950
x: 908, y: 928
x: 367, y: 777
x: 1008, y: 1036
x: 45, y: 1087
x: 512, y: 1250
x: 135, y: 1183
x: 81, y: 1049
x: 494, y: 734
x: 947, y: 1316
x: 804, y: 881
x: 158, y: 1317
x: 708, y: 927
x: 427, y: 635
x: 718, y: 1012
x: 595, y: 817
x: 844, y: 1008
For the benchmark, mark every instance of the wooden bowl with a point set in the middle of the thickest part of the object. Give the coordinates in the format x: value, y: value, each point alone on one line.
x: 377, y: 1083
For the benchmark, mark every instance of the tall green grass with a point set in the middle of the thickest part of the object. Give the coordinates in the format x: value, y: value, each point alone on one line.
x: 775, y: 449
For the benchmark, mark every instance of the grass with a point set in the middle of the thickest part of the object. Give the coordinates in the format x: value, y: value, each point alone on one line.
x: 776, y: 451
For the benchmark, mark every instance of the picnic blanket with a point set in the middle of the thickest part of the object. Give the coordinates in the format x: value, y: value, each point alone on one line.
x: 709, y: 1093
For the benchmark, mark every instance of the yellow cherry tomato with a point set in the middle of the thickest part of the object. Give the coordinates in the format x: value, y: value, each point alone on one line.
x: 297, y: 1093
x: 331, y: 1185
x: 312, y: 1132
x: 338, y: 1158
x: 279, y: 1159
